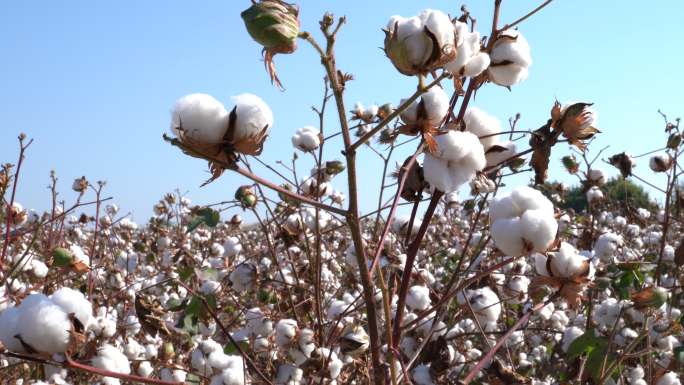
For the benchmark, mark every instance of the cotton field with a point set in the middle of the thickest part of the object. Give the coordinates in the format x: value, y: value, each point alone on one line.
x: 461, y: 274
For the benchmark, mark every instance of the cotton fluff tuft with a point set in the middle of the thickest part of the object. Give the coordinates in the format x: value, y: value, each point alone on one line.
x: 436, y: 104
x: 253, y: 115
x: 306, y: 139
x: 522, y: 221
x: 486, y: 306
x: 73, y: 301
x: 8, y: 320
x: 203, y: 118
x: 469, y: 60
x: 669, y: 378
x: 112, y: 359
x: 458, y: 158
x: 43, y: 324
x: 418, y: 298
x: 566, y: 262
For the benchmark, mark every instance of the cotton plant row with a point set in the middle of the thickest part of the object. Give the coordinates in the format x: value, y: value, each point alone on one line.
x: 504, y: 285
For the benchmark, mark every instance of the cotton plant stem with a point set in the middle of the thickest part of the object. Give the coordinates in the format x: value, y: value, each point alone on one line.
x: 395, y: 202
x: 401, y: 108
x: 71, y: 364
x: 490, y: 354
x: 520, y: 20
x: 212, y: 313
x: 352, y: 213
x: 15, y: 182
x: 411, y: 254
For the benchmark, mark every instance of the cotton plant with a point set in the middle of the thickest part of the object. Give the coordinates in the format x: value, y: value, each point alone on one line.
x: 294, y: 278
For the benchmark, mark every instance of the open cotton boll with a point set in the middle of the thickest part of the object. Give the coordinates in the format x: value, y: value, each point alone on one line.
x: 510, y: 58
x: 306, y: 139
x: 39, y: 269
x: 242, y: 278
x: 418, y: 298
x: 73, y: 301
x: 566, y: 262
x: 669, y: 378
x: 597, y: 176
x: 436, y: 104
x: 232, y: 246
x: 477, y: 64
x: 9, y: 328
x: 606, y: 246
x: 43, y: 325
x: 594, y: 194
x: 486, y: 306
x: 458, y: 158
x: 257, y: 323
x: 421, y: 375
x: 145, y: 369
x: 480, y: 124
x: 410, y: 42
x: 285, y: 331
x: 203, y: 118
x: 522, y: 221
x: 112, y: 359
x: 502, y: 152
x: 570, y: 335
x: 469, y: 60
x: 252, y: 117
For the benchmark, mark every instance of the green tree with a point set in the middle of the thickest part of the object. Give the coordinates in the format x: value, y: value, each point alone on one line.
x: 617, y: 190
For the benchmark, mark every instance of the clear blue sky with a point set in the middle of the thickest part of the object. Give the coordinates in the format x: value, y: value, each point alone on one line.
x: 93, y: 82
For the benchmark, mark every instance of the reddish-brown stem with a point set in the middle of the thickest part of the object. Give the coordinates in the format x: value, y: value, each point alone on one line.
x: 71, y: 364
x: 490, y: 354
x: 408, y: 267
x: 395, y: 202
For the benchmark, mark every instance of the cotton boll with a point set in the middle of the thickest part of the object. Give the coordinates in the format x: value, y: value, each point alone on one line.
x: 510, y: 58
x: 285, y: 331
x: 476, y: 65
x: 566, y: 262
x: 253, y: 117
x: 8, y: 320
x: 538, y: 228
x: 72, y: 301
x: 289, y: 375
x: 503, y: 152
x: 435, y: 103
x: 481, y: 124
x: 306, y: 139
x: 418, y: 298
x: 660, y: 162
x: 458, y: 158
x: 597, y: 176
x: 669, y: 378
x: 210, y: 287
x: 570, y: 335
x: 242, y: 278
x: 607, y: 245
x: 410, y: 42
x: 421, y: 375
x: 112, y: 359
x: 257, y: 323
x: 43, y: 325
x: 522, y: 221
x: 203, y: 118
x: 486, y: 306
x: 507, y: 234
x: 39, y: 269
